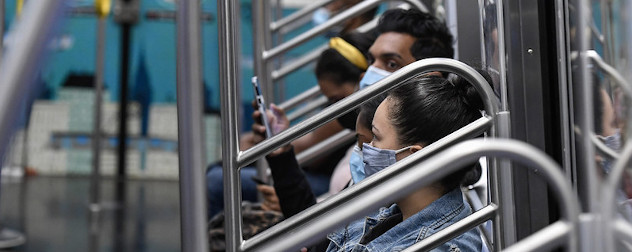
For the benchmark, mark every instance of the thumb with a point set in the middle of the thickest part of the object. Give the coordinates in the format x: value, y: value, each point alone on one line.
x: 276, y: 110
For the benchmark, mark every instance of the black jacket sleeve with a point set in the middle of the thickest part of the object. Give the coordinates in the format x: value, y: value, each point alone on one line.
x: 290, y: 184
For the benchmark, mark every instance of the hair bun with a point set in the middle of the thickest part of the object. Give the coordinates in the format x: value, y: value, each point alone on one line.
x: 468, y: 93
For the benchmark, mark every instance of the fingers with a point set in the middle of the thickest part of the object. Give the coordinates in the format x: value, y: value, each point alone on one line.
x: 266, y: 189
x: 278, y: 112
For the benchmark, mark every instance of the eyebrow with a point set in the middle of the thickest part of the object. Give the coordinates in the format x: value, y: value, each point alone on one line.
x: 375, y: 128
x: 391, y: 55
x: 385, y: 55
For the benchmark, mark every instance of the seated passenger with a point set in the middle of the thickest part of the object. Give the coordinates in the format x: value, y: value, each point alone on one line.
x: 338, y: 70
x: 405, y: 36
x: 291, y: 187
x: 414, y: 115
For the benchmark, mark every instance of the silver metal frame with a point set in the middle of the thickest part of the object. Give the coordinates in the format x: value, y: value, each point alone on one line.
x: 191, y: 149
x: 264, y: 53
x: 357, y: 201
x: 233, y: 159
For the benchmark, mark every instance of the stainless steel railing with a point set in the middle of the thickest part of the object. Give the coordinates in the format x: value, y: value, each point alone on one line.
x: 368, y: 198
x: 264, y: 53
x: 233, y: 159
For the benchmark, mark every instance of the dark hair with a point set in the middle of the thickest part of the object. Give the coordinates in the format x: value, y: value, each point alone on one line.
x: 333, y: 66
x: 368, y: 108
x: 428, y: 108
x: 433, y: 37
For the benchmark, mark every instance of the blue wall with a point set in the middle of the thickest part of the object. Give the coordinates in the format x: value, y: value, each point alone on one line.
x: 153, y: 41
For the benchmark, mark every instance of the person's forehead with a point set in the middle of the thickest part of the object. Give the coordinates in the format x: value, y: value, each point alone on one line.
x: 392, y: 42
x: 381, y: 115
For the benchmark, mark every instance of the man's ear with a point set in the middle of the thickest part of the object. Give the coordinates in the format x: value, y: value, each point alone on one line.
x: 361, y: 76
x: 415, y: 148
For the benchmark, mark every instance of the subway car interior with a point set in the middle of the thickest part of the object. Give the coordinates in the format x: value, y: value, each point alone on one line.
x: 324, y: 125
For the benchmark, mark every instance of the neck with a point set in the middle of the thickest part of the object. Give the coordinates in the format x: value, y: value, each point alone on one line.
x: 418, y: 200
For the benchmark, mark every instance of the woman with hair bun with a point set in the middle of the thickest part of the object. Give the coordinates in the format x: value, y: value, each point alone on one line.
x: 413, y: 116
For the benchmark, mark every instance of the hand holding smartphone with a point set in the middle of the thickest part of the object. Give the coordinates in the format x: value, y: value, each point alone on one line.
x: 261, y: 105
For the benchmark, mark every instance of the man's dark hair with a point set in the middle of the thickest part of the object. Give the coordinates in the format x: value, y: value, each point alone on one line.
x: 433, y: 37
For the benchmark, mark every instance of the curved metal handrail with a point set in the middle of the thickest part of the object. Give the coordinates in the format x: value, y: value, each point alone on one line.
x: 345, y: 15
x: 279, y: 24
x: 354, y: 100
x: 609, y: 191
x: 314, y: 54
x: 611, y: 71
x: 436, y: 167
x: 307, y: 94
x: 472, y: 130
x: 326, y: 146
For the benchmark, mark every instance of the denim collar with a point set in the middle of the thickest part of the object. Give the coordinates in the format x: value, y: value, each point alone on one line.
x: 419, y: 226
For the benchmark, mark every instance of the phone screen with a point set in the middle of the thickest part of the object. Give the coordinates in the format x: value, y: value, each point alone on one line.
x: 262, y: 105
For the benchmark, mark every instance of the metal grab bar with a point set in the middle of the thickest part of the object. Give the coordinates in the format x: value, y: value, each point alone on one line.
x: 471, y: 130
x: 301, y: 62
x: 190, y: 145
x: 452, y: 231
x: 345, y: 15
x: 545, y: 239
x: 314, y: 54
x: 30, y: 37
x: 321, y: 101
x: 306, y: 95
x: 229, y: 55
x: 609, y: 190
x: 326, y: 146
x: 435, y: 168
x: 613, y: 73
x: 623, y: 230
x: 354, y: 100
x: 279, y: 24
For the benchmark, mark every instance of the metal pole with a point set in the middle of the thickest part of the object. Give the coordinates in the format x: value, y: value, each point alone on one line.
x: 193, y: 219
x: 472, y: 130
x: 95, y: 178
x: 354, y: 11
x: 357, y: 98
x: 19, y: 63
x: 261, y: 43
x: 2, y: 14
x: 229, y: 55
x: 365, y: 199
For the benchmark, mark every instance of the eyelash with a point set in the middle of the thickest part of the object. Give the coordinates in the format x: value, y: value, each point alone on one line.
x: 392, y: 65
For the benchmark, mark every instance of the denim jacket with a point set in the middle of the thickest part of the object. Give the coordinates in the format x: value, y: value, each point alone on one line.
x: 441, y: 213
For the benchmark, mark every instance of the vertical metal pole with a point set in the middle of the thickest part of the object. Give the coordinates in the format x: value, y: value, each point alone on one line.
x: 193, y: 218
x: 278, y: 14
x: 98, y: 95
x: 586, y: 168
x: 229, y: 56
x: 2, y: 15
x: 501, y: 175
x: 95, y: 178
x: 262, y: 42
x: 585, y: 103
x: 18, y: 64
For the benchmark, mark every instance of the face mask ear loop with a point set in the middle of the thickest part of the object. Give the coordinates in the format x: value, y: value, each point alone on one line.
x: 403, y: 149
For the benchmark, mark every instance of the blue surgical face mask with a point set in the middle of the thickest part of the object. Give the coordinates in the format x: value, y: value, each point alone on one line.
x: 320, y: 16
x: 373, y: 75
x: 376, y: 159
x: 356, y: 165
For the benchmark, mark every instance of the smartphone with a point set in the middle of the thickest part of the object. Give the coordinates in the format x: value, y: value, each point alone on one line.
x: 258, y: 181
x: 262, y: 105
